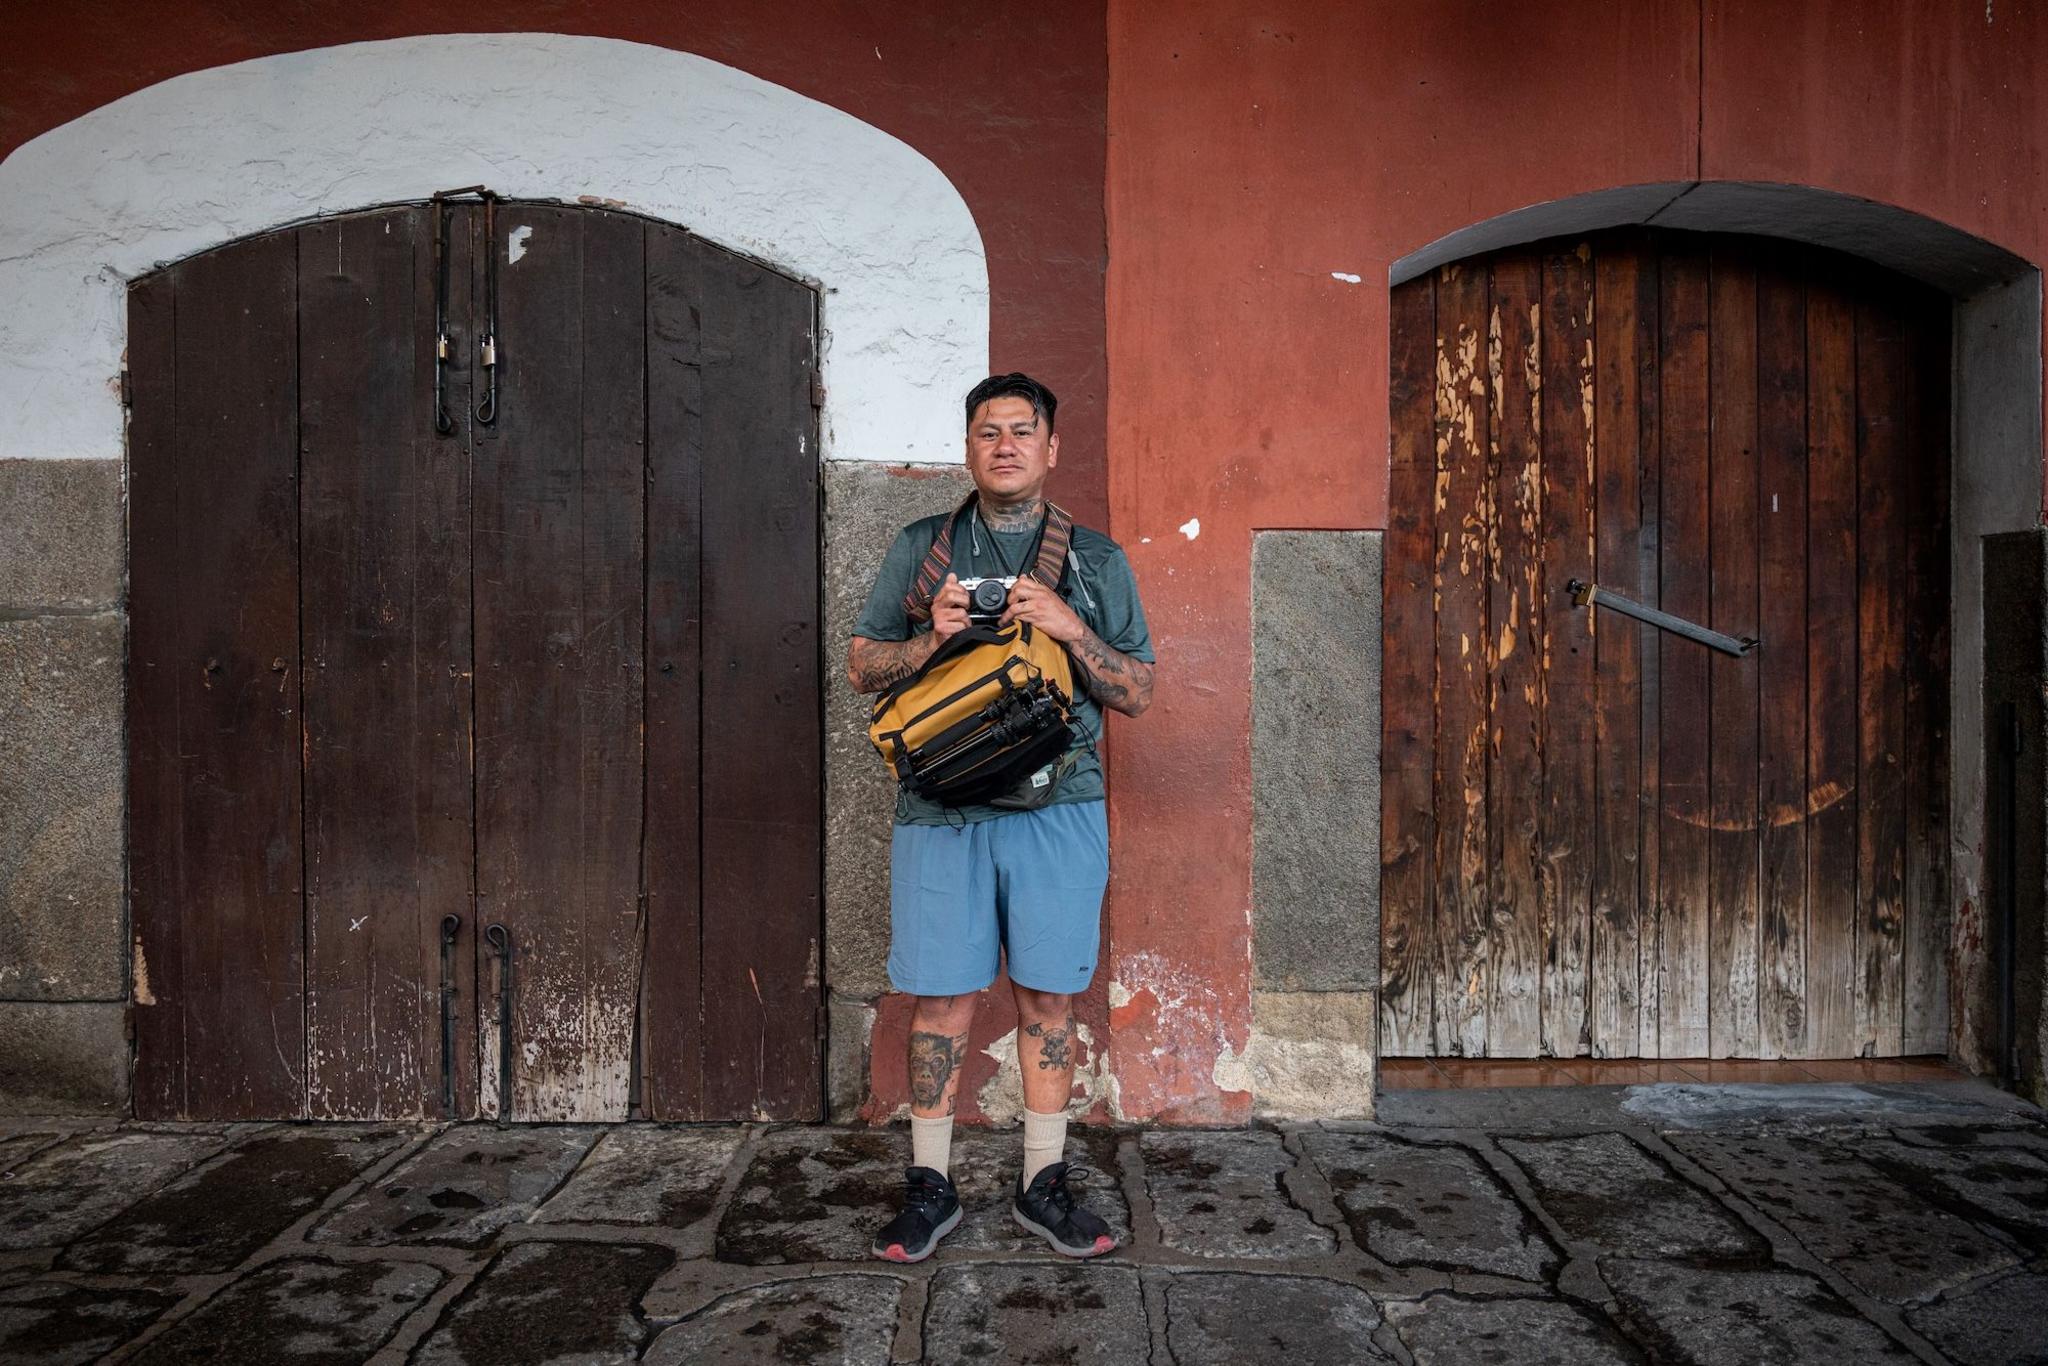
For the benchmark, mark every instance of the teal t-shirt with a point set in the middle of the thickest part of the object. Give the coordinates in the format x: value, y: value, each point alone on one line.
x: 1098, y: 585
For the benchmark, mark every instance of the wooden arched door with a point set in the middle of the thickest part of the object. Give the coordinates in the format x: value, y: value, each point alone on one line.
x: 430, y: 659
x: 1604, y: 838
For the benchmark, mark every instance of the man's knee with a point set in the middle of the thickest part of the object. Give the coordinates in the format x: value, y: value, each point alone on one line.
x: 943, y: 1009
x: 1044, y: 1005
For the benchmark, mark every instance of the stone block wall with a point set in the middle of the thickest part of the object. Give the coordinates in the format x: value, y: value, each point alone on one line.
x: 866, y: 504
x: 63, y: 936
x: 1315, y: 822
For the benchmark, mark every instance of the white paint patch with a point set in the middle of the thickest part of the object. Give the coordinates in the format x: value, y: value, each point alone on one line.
x: 1233, y: 1070
x: 1346, y: 277
x: 1191, y: 528
x: 1119, y: 995
x: 215, y: 155
x: 515, y: 245
x: 1144, y: 540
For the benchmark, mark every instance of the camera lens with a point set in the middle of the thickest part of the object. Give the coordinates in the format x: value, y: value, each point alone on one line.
x: 989, y: 596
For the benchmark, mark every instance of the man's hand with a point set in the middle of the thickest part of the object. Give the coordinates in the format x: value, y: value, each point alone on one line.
x: 1114, y: 679
x: 1046, y: 610
x: 949, y: 609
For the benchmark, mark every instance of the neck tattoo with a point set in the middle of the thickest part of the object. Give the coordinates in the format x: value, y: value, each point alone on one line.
x: 1019, y: 516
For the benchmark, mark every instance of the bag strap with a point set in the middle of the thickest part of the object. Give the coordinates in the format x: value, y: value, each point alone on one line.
x: 1053, y: 541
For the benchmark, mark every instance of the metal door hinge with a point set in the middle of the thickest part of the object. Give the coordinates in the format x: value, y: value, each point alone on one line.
x: 817, y: 390
x: 127, y: 389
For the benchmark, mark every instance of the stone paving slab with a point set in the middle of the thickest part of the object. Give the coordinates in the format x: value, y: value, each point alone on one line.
x: 550, y: 1302
x: 1744, y: 1318
x: 846, y: 1320
x: 1220, y: 1195
x: 2009, y: 1184
x: 2000, y: 1322
x: 461, y: 1189
x: 1074, y: 1315
x: 1875, y: 1231
x: 818, y: 1195
x: 1211, y: 1320
x: 213, y: 1217
x: 76, y: 1186
x: 1606, y: 1190
x: 1447, y: 1329
x: 16, y: 1146
x: 53, y: 1323
x: 1951, y: 1136
x: 1430, y: 1204
x: 664, y: 1177
x: 316, y: 1310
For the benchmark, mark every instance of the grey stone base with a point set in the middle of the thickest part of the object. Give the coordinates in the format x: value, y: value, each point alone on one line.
x: 63, y: 1058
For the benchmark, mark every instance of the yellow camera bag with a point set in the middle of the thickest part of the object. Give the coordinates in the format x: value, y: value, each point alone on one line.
x: 988, y: 709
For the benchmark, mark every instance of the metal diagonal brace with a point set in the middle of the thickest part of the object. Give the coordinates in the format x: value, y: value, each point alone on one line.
x: 1585, y: 595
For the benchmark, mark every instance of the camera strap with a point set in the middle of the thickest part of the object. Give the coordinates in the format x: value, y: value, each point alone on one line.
x: 1051, y: 562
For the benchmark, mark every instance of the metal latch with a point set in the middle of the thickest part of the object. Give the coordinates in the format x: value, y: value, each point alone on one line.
x: 1586, y: 595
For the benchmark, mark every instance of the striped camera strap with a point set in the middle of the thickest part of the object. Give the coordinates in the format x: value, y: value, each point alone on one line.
x: 1054, y: 539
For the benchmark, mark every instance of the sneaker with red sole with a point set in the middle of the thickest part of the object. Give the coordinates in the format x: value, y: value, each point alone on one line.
x: 931, y: 1210
x: 1049, y: 1208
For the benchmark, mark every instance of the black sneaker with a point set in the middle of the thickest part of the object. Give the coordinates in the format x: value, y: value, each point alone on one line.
x: 1047, y: 1207
x: 930, y: 1211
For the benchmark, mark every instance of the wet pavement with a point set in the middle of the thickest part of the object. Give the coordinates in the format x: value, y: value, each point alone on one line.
x: 1662, y: 1223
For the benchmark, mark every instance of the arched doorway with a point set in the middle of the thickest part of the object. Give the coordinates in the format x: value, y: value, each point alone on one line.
x: 1602, y: 837
x: 474, y: 681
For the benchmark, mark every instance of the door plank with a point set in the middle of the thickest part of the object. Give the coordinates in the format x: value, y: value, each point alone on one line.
x: 672, y: 975
x: 1881, y: 734
x: 1783, y: 791
x: 1624, y: 342
x: 1463, y: 536
x: 227, y: 663
x: 1519, y: 916
x: 156, y: 787
x: 1926, y: 902
x: 1650, y: 549
x: 1682, y: 920
x: 1408, y: 654
x: 762, y: 815
x: 559, y: 634
x: 1831, y: 696
x: 1571, y: 709
x: 385, y: 596
x: 1733, y: 838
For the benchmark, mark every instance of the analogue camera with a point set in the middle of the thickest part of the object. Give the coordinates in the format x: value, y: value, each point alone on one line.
x: 986, y: 598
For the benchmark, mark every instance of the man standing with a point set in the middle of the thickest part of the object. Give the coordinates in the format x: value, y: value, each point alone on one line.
x: 966, y: 881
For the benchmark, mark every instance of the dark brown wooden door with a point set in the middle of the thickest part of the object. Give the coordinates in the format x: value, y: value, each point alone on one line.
x: 527, y: 673
x: 1601, y: 838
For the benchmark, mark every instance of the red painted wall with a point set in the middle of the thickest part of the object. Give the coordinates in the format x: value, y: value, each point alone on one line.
x: 1010, y: 105
x: 1254, y: 151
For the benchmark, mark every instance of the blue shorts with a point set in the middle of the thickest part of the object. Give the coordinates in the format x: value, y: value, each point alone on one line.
x: 1028, y: 883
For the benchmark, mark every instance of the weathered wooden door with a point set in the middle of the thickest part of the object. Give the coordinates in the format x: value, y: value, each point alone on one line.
x: 1602, y: 838
x: 541, y: 676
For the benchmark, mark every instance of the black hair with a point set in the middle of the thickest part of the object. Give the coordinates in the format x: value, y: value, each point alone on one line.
x: 1043, y: 402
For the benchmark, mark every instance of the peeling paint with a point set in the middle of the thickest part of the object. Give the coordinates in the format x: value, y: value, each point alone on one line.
x: 1345, y: 276
x: 140, y: 972
x: 1233, y: 1070
x: 515, y: 245
x: 1191, y: 528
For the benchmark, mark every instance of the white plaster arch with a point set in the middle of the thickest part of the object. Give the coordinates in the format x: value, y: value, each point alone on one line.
x: 208, y: 157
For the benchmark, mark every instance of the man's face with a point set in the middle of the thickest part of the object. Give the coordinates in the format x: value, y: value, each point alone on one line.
x: 1009, y: 451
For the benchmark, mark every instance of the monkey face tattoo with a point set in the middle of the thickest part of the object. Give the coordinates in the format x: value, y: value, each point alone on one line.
x: 933, y: 1060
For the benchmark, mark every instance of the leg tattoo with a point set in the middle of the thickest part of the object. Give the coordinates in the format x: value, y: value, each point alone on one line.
x: 933, y: 1060
x: 1054, y: 1052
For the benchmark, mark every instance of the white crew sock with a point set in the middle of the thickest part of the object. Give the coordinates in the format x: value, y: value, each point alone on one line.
x: 1045, y: 1141
x: 931, y: 1142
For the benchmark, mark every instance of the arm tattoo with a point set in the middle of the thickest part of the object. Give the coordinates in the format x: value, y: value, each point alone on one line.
x: 872, y: 665
x: 933, y: 1060
x: 1054, y: 1051
x: 1115, y: 679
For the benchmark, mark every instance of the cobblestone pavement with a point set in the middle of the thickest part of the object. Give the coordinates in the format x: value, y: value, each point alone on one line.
x: 1666, y: 1223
